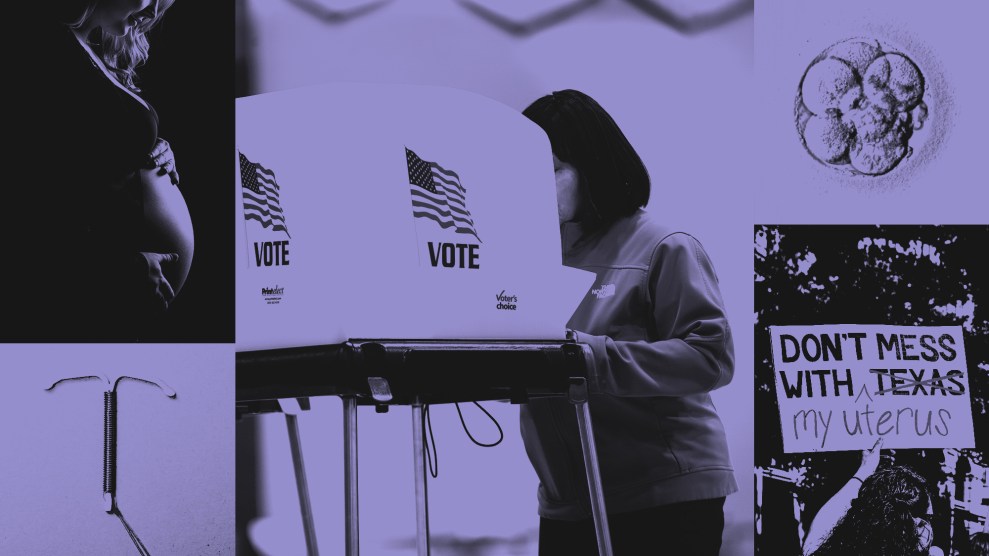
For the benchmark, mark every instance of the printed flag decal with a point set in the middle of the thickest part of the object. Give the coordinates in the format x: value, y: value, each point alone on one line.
x: 438, y: 195
x: 261, y: 196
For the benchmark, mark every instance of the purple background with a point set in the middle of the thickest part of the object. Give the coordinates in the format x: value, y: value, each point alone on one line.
x: 685, y: 103
x: 943, y: 41
x: 174, y: 481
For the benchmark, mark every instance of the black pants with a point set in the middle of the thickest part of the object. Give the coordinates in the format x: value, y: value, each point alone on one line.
x: 684, y: 529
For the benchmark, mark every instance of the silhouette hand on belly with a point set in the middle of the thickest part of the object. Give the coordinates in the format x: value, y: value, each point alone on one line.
x: 167, y: 225
x: 160, y: 292
x: 163, y: 159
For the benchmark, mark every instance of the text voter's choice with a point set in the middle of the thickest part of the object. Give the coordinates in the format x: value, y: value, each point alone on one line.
x: 839, y: 387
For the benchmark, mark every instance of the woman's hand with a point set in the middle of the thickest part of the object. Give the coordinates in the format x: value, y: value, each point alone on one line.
x: 870, y: 461
x: 161, y: 291
x: 163, y: 158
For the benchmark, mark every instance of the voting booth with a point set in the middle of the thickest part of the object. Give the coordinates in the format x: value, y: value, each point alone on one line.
x: 398, y: 212
x: 400, y: 245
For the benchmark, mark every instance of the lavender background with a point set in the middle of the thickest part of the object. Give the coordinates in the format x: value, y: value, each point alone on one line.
x: 684, y: 101
x: 174, y: 480
x: 944, y: 179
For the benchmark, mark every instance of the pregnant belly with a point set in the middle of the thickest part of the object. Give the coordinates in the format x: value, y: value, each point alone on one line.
x: 167, y: 225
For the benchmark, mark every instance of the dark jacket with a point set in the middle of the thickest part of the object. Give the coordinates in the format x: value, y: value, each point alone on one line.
x: 656, y: 325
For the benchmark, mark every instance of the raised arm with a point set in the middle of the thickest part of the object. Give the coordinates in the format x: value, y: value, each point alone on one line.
x: 834, y: 509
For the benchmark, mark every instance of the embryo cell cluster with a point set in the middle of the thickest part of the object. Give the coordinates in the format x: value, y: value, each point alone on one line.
x: 858, y: 105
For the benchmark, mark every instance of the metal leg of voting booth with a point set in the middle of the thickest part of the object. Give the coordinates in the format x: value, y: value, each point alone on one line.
x: 302, y: 484
x: 422, y: 503
x: 578, y: 397
x: 255, y: 394
x: 351, y: 515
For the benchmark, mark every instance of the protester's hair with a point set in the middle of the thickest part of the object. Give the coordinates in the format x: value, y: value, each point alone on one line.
x: 613, y: 180
x: 880, y: 521
x: 121, y: 55
x: 979, y: 544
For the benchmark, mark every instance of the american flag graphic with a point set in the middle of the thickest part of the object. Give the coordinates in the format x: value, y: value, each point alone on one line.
x: 261, y: 196
x: 438, y: 195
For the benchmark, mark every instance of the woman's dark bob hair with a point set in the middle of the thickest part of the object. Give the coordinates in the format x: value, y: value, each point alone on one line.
x: 613, y: 181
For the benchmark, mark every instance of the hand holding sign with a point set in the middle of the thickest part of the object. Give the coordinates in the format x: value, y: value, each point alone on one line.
x: 870, y: 461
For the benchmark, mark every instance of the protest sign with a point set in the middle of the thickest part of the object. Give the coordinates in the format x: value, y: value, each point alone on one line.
x: 841, y: 387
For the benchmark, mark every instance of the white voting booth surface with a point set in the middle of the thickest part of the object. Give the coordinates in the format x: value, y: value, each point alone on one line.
x: 385, y: 211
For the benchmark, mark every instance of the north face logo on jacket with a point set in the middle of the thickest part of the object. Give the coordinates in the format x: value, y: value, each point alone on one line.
x: 606, y: 290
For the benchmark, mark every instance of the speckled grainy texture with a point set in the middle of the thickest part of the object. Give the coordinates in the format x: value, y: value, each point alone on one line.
x: 858, y: 104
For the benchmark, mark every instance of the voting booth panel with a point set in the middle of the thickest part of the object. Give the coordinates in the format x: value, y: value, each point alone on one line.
x: 395, y: 211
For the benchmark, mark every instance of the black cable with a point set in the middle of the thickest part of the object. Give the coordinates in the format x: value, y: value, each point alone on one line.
x: 433, y: 460
x: 501, y: 433
x: 427, y: 423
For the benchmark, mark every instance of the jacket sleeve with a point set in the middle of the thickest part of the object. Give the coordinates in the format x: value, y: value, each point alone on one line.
x: 689, y: 349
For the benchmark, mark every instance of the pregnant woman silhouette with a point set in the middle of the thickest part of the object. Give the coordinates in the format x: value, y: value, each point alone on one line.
x: 109, y: 240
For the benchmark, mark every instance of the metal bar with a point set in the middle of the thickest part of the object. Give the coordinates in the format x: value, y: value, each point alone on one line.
x: 351, y: 515
x: 593, y: 479
x: 422, y: 504
x: 301, y: 484
x: 461, y: 345
x: 578, y: 396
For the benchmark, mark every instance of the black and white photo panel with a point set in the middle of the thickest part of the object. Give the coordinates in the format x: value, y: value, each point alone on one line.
x: 117, y: 449
x: 872, y: 388
x: 400, y: 177
x: 118, y: 221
